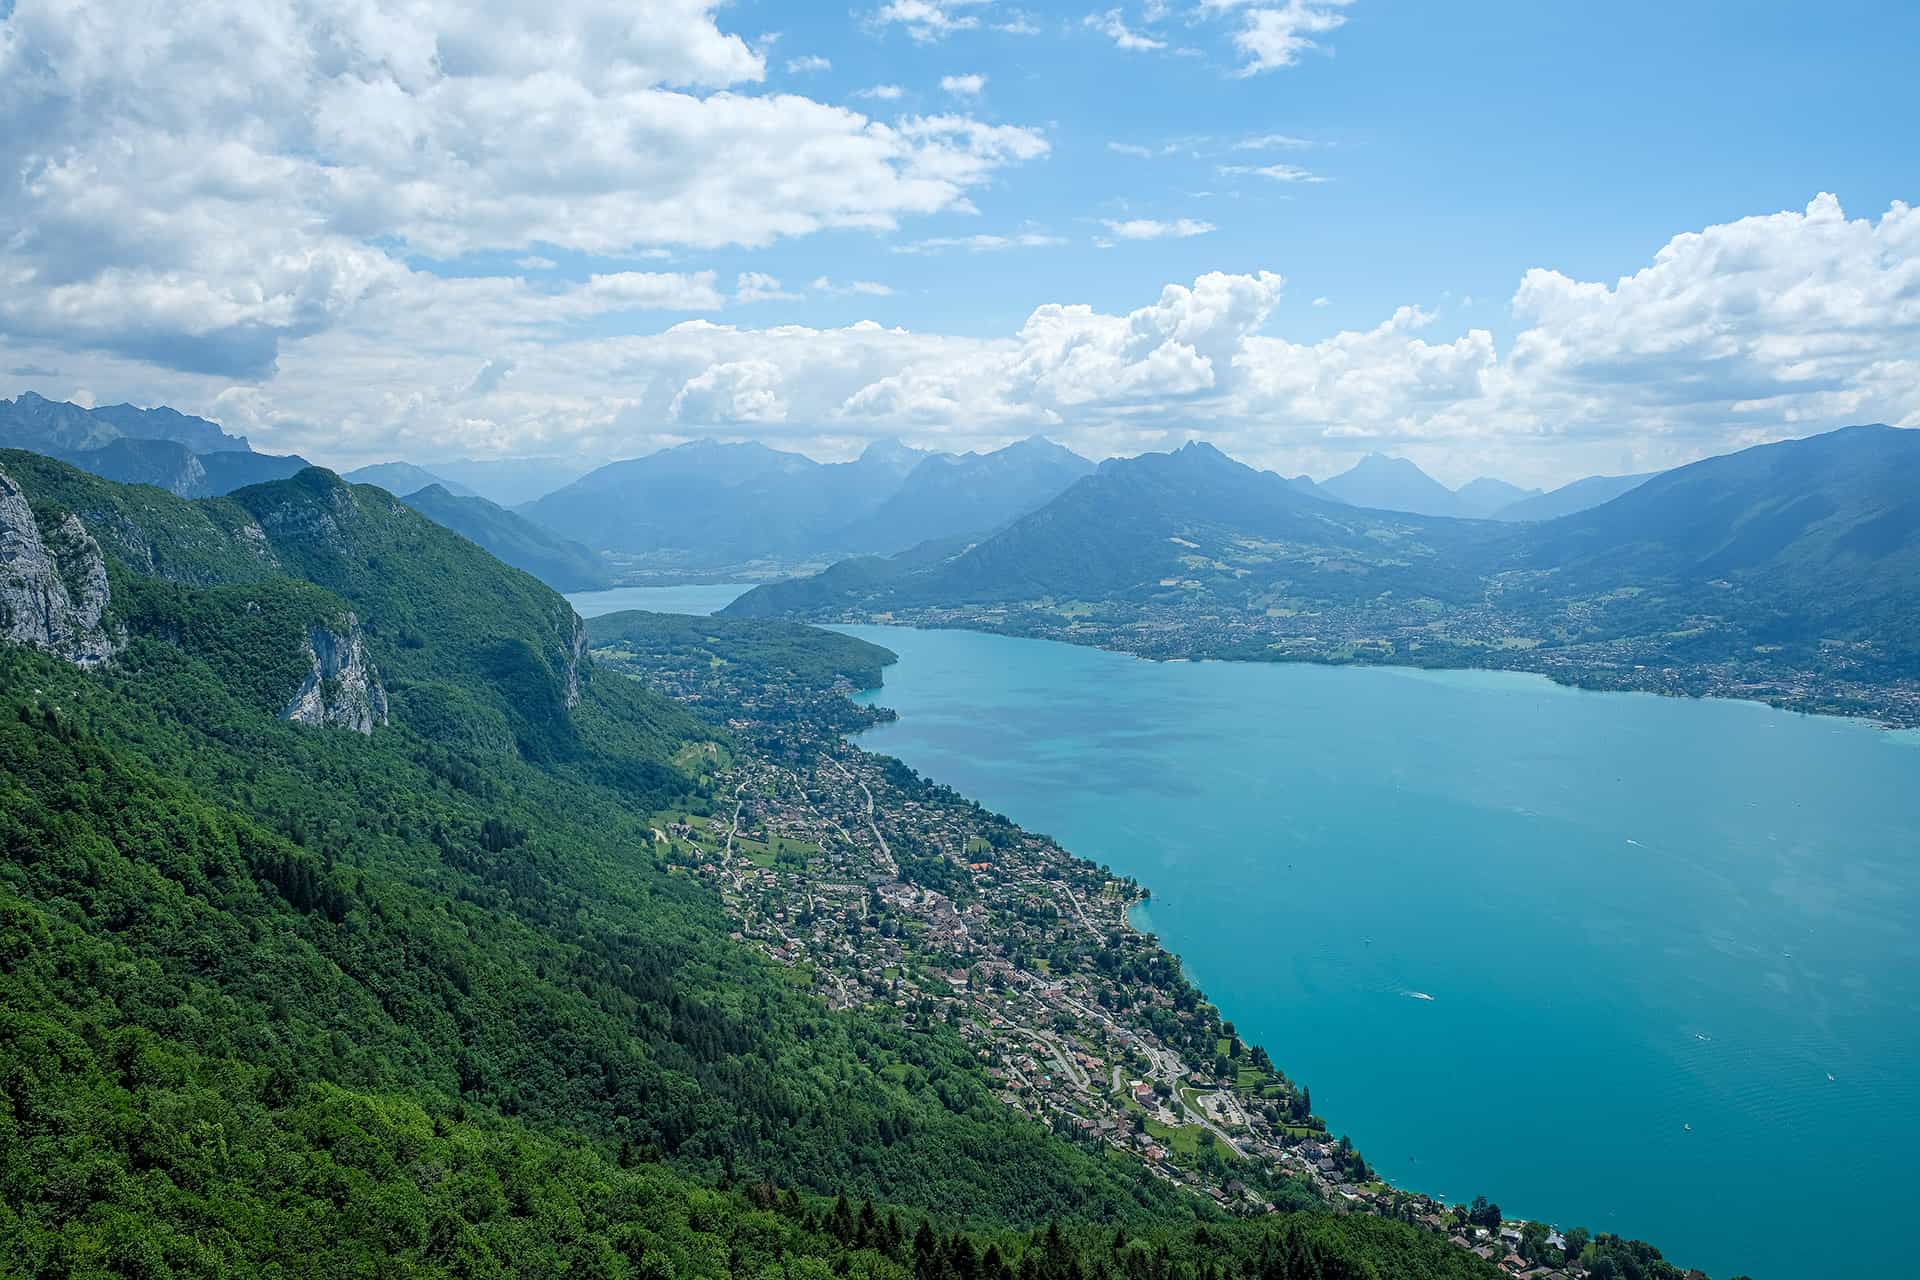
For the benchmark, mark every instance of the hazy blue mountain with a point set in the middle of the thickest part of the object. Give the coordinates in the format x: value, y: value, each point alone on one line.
x: 1308, y: 485
x: 1797, y: 544
x: 1393, y: 484
x: 52, y: 427
x: 230, y: 469
x: 708, y: 504
x: 174, y: 451
x: 170, y: 465
x: 163, y: 423
x: 1484, y: 496
x: 1569, y: 498
x: 1185, y: 527
x: 57, y: 428
x: 402, y: 478
x: 948, y: 494
x: 562, y: 565
x: 507, y: 481
x: 1836, y: 515
x: 165, y: 464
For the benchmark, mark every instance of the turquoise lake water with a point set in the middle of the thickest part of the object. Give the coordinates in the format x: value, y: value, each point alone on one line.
x: 1632, y: 914
x: 703, y: 598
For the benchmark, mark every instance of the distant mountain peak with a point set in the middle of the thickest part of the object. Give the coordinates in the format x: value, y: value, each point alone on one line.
x: 1385, y: 482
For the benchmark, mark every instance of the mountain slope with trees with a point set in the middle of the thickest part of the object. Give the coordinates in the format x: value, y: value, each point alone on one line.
x: 1789, y: 572
x: 562, y: 565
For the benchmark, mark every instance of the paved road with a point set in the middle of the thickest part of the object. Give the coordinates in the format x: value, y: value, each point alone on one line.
x: 871, y: 824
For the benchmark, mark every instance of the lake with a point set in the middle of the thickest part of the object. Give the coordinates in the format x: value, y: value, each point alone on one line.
x: 1632, y: 915
x: 706, y: 597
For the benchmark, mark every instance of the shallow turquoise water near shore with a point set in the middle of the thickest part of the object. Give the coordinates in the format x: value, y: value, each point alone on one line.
x: 1632, y: 914
x: 697, y: 598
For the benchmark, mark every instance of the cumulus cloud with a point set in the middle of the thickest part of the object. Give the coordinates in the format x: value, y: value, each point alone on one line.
x: 180, y: 203
x: 882, y: 93
x: 1270, y: 37
x: 1766, y: 326
x: 742, y: 391
x: 758, y: 286
x: 807, y: 64
x: 964, y: 86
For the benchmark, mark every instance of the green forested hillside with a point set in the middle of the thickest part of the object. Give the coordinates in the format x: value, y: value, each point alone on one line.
x: 513, y: 539
x: 282, y: 999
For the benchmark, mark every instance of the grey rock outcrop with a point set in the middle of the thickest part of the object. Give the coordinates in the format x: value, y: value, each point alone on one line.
x: 53, y: 588
x: 575, y: 655
x: 343, y: 689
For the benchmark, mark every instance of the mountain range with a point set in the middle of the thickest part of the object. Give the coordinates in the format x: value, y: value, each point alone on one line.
x: 1397, y: 484
x: 707, y: 505
x: 342, y: 937
x: 562, y: 565
x: 403, y: 477
x: 186, y: 456
x: 1781, y: 551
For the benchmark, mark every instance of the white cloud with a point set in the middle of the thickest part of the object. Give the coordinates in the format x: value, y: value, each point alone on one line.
x: 650, y: 290
x: 1153, y: 229
x: 1771, y: 325
x: 965, y: 86
x: 1272, y: 37
x: 983, y: 242
x: 744, y: 392
x: 758, y: 286
x: 927, y: 20
x: 807, y: 64
x: 863, y: 288
x: 882, y: 93
x: 1322, y: 302
x: 1278, y: 172
x: 1110, y: 25
x: 170, y: 202
x: 1273, y: 142
x: 534, y: 262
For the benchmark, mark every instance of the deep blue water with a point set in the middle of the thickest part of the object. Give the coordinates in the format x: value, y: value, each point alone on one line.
x: 702, y: 598
x: 1632, y: 914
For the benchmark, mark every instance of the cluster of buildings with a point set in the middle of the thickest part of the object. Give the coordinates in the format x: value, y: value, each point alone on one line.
x: 890, y: 894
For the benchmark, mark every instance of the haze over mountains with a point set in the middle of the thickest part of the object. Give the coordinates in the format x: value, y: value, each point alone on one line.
x: 707, y: 505
x: 1790, y: 548
x: 1396, y: 484
x: 186, y: 456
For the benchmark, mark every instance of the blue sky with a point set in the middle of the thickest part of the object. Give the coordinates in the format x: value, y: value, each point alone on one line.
x: 1301, y: 227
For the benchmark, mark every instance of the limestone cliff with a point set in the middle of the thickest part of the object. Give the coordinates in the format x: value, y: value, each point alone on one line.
x: 343, y: 688
x: 53, y: 587
x: 576, y: 654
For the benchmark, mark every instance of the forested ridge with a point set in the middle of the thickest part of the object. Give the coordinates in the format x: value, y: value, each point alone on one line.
x: 280, y: 999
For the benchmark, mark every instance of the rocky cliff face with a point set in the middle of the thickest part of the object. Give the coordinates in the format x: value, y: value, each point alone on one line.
x: 53, y: 587
x: 575, y: 656
x: 343, y: 688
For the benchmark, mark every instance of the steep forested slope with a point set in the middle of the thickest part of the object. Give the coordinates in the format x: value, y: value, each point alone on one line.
x: 233, y: 939
x: 513, y: 539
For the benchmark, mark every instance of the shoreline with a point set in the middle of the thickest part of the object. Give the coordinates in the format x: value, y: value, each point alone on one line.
x: 1873, y: 720
x: 1408, y: 1181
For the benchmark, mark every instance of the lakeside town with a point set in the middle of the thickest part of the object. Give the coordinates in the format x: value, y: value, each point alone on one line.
x: 1848, y: 678
x: 880, y: 890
